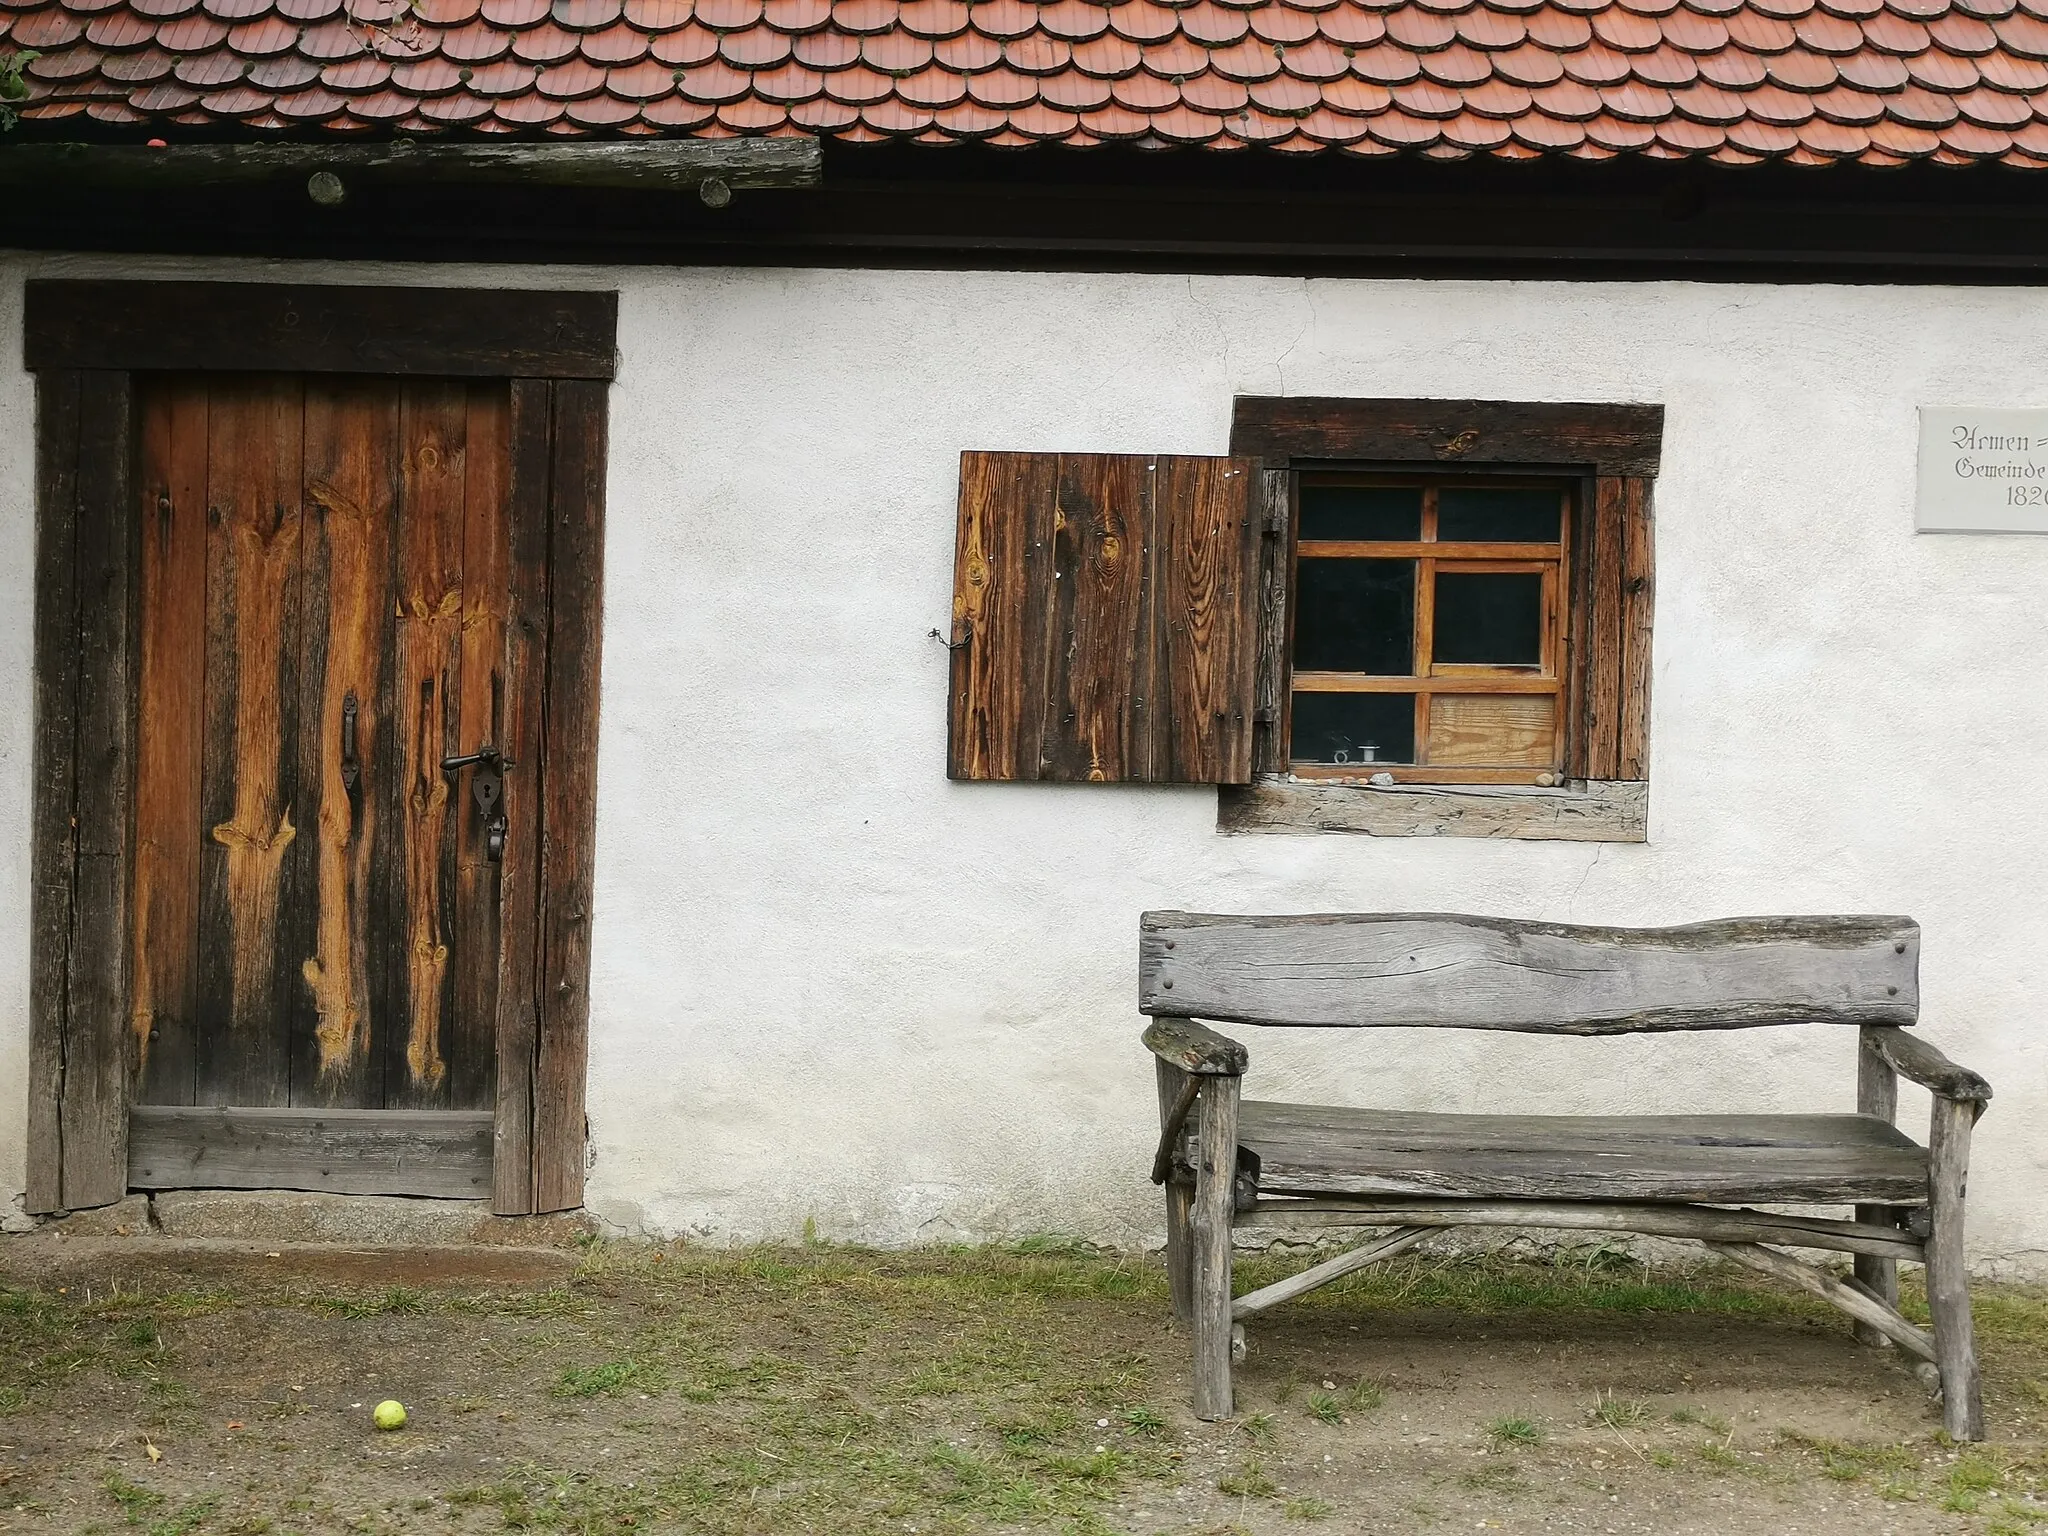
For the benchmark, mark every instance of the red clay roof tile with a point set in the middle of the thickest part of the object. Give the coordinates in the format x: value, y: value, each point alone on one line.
x: 117, y: 31
x: 818, y: 50
x: 148, y: 64
x: 618, y: 44
x: 1530, y: 65
x: 1456, y: 65
x: 2010, y: 73
x: 544, y: 44
x: 1388, y: 63
x: 1666, y: 66
x: 1735, y: 69
x: 1876, y: 71
x: 1420, y: 30
x: 1846, y: 104
x: 1884, y: 81
x: 1351, y: 26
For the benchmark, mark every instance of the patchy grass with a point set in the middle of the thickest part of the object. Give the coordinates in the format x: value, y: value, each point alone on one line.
x: 1248, y: 1481
x: 1034, y: 1386
x: 1619, y: 1412
x: 1513, y: 1430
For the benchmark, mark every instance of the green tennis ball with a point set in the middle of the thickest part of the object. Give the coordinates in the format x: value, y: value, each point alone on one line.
x: 390, y: 1414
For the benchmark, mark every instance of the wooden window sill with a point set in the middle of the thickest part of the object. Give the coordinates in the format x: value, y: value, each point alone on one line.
x: 1582, y: 811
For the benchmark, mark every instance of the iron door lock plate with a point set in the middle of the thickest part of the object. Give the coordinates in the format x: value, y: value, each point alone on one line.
x: 487, y: 788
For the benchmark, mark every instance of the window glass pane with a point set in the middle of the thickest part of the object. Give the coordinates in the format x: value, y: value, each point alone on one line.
x: 1489, y: 618
x: 1361, y: 512
x: 1499, y: 514
x: 1355, y: 616
x: 1351, y: 728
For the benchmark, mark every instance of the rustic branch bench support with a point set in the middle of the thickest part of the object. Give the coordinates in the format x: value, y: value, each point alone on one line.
x: 1227, y: 1162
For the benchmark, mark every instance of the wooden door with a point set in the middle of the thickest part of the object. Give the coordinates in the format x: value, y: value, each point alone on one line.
x: 325, y: 579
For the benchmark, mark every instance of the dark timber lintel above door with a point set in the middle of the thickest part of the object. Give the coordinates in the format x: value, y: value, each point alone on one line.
x: 86, y: 342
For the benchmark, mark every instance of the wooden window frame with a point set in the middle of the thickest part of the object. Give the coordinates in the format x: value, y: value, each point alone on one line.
x: 1430, y: 679
x: 86, y: 342
x: 1612, y: 453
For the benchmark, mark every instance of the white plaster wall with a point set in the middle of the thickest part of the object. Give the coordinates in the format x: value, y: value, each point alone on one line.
x: 831, y: 985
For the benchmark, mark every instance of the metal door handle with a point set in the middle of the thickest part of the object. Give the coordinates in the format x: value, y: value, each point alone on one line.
x: 351, y: 769
x: 487, y: 788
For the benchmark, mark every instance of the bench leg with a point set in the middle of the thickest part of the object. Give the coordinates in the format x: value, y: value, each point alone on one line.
x: 1948, y: 1281
x: 1879, y: 1276
x: 1877, y: 1095
x: 1179, y: 1198
x: 1209, y: 1232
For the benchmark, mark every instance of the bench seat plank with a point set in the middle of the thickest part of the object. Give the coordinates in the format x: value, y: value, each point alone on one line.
x: 1307, y: 1149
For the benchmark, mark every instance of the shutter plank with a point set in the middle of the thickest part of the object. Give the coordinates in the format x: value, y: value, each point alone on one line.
x: 999, y: 618
x: 1109, y: 609
x: 1207, y: 526
x: 1638, y: 600
x: 1603, y: 629
x: 1094, y: 713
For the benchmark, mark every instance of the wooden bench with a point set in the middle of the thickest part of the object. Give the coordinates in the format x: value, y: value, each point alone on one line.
x: 1228, y: 1163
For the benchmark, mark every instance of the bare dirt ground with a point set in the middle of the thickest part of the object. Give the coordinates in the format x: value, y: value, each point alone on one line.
x: 189, y: 1388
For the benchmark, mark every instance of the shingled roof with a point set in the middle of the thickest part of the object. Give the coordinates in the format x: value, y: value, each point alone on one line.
x: 1881, y: 82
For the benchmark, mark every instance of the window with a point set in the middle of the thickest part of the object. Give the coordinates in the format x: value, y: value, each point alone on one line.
x: 1403, y: 617
x: 1427, y: 628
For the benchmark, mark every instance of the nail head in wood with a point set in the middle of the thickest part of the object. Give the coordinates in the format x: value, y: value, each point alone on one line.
x: 326, y: 189
x: 714, y: 192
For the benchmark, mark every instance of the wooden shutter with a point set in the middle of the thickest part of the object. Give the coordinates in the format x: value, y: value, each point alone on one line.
x: 1615, y: 589
x: 1105, y: 618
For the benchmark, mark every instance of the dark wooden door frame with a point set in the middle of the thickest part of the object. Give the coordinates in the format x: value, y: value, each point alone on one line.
x: 85, y: 342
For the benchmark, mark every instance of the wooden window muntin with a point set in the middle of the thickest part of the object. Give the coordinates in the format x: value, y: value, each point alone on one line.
x: 1430, y: 679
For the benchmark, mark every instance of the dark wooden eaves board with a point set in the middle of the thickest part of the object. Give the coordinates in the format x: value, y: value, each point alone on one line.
x: 314, y: 328
x: 1610, y: 439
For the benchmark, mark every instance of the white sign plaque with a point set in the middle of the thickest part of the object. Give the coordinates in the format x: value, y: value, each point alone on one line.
x: 1982, y: 471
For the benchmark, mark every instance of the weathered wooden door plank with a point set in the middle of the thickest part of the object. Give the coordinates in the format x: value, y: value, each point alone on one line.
x: 165, y: 927
x: 569, y: 798
x: 351, y: 470
x: 248, y: 978
x: 86, y: 620
x: 413, y: 927
x: 481, y: 715
x: 53, y: 800
x: 97, y: 1042
x: 443, y: 1154
x: 529, y: 458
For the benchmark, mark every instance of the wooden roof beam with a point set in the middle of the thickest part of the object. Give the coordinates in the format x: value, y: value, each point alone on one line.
x: 713, y: 168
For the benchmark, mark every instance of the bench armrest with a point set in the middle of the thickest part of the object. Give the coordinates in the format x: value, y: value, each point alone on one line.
x: 1193, y: 1048
x: 1914, y: 1058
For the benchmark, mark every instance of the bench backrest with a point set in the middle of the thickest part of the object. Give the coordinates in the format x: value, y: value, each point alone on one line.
x: 1444, y: 970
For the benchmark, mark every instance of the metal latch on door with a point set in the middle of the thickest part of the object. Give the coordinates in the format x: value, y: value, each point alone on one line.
x: 487, y: 787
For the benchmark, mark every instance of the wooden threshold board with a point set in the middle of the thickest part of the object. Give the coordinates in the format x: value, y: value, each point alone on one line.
x: 433, y: 1152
